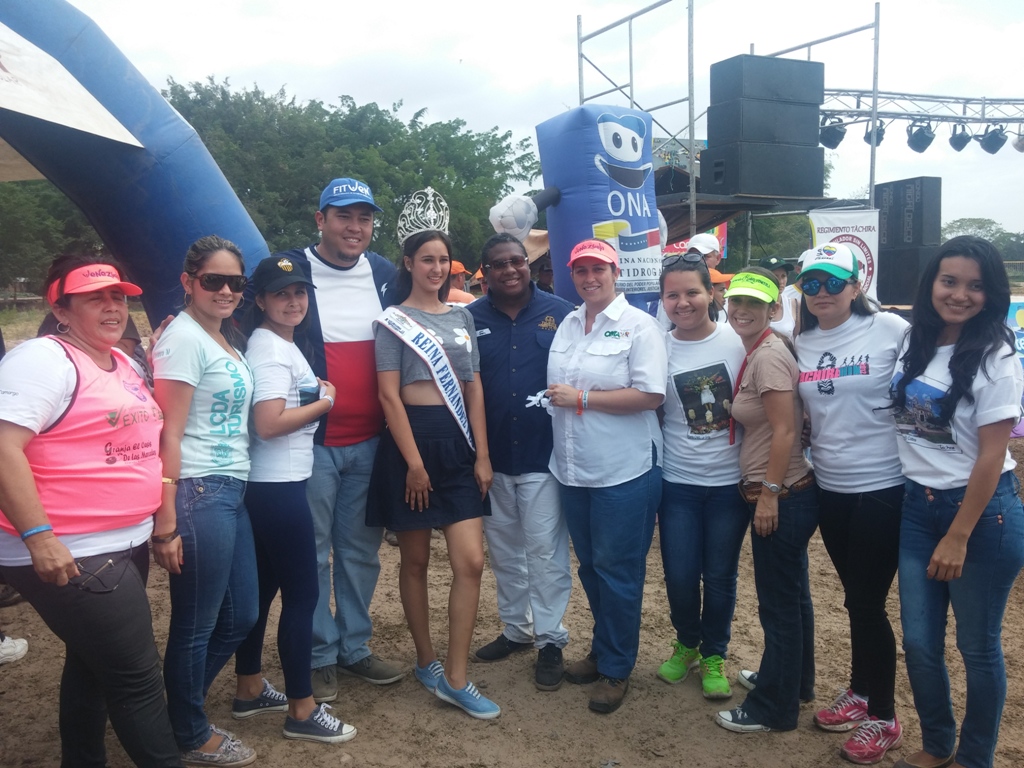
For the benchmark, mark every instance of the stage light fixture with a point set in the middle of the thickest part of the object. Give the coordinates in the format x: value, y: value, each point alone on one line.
x: 920, y: 137
x: 879, y: 134
x: 993, y: 140
x: 959, y: 139
x: 832, y: 135
x: 1018, y: 143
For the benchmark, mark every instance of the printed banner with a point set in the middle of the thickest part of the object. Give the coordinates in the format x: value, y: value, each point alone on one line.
x: 858, y: 230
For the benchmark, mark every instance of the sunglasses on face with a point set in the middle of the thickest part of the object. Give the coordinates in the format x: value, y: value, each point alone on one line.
x: 498, y: 266
x: 833, y: 286
x: 212, y: 282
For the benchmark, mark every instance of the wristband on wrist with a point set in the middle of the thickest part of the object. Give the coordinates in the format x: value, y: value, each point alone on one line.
x: 579, y: 403
x: 166, y: 539
x: 168, y: 481
x: 38, y: 529
x: 331, y: 399
x: 586, y: 394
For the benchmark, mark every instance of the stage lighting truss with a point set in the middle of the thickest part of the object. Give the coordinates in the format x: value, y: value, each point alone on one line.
x: 983, y: 119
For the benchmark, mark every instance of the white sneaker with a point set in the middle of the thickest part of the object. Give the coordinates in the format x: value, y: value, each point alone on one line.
x: 12, y: 649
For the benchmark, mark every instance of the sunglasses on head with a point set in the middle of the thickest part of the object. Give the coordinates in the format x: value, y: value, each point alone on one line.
x: 691, y: 257
x: 502, y: 264
x: 212, y: 282
x: 833, y: 286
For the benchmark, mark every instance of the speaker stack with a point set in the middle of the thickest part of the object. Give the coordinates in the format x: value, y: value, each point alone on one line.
x: 763, y: 128
x: 909, y: 235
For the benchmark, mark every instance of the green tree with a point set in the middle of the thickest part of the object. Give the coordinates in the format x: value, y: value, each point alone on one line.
x: 986, y: 228
x: 38, y: 223
x: 278, y: 154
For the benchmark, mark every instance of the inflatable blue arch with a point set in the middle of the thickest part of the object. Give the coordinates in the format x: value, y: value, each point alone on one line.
x: 148, y: 203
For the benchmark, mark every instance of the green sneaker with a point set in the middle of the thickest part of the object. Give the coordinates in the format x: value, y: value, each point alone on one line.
x: 713, y: 679
x: 679, y: 665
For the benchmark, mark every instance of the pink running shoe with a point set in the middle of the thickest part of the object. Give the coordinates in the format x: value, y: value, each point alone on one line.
x: 871, y: 741
x: 847, y: 712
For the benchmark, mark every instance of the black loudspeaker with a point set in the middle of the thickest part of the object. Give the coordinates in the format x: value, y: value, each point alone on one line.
x: 767, y: 77
x: 769, y: 122
x: 899, y: 273
x: 772, y: 170
x: 909, y: 212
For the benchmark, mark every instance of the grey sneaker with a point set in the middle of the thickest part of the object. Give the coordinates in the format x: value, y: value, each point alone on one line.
x: 325, y: 684
x: 372, y: 670
x: 230, y: 754
x: 319, y: 726
x: 269, y: 700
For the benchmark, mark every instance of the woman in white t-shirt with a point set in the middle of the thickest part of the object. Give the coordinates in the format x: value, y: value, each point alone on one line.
x: 703, y: 517
x: 288, y: 402
x: 204, y: 386
x: 847, y: 353
x: 956, y: 397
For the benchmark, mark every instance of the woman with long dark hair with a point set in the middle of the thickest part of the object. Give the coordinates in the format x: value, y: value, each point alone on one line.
x: 204, y: 386
x: 432, y: 468
x: 288, y: 402
x: 956, y: 397
x: 847, y: 352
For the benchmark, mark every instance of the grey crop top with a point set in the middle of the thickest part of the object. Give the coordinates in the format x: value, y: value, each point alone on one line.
x: 455, y: 330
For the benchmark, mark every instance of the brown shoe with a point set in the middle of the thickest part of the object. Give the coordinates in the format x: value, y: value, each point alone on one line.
x: 608, y: 694
x: 584, y: 671
x: 924, y: 760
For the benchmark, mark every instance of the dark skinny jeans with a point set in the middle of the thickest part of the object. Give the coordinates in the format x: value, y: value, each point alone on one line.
x: 861, y: 532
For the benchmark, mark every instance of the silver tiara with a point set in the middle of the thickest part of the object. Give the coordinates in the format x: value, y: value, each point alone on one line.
x: 425, y: 210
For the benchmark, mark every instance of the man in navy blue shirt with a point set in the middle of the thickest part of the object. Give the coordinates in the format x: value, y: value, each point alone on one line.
x: 526, y: 533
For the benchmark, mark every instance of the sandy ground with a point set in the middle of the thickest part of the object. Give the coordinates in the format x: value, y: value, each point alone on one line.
x: 402, y: 725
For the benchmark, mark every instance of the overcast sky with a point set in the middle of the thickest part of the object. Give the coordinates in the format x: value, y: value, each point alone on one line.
x: 513, y: 64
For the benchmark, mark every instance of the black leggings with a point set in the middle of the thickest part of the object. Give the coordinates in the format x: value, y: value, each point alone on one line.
x: 111, y: 666
x: 861, y: 532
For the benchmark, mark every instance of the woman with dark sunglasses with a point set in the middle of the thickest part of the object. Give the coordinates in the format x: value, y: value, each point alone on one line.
x: 847, y: 353
x: 205, y: 387
x: 80, y: 481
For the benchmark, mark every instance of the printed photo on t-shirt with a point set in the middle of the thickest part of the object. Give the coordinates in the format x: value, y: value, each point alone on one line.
x: 705, y: 395
x: 918, y: 423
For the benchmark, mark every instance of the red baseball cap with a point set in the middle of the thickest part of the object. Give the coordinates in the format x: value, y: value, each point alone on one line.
x: 595, y: 249
x: 91, y: 277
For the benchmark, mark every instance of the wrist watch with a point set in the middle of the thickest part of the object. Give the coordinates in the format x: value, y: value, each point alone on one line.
x: 773, y: 487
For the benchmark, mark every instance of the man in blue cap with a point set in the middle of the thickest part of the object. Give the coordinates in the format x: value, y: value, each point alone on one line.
x: 351, y: 286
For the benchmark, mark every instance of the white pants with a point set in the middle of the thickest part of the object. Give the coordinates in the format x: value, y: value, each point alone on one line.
x: 529, y: 551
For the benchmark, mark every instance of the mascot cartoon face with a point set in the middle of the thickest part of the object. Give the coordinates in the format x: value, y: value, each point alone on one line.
x: 623, y: 140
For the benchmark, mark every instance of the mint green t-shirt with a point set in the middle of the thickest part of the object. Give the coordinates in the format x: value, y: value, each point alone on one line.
x: 216, y: 440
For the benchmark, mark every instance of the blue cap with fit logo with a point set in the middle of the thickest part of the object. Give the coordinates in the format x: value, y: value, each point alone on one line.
x: 342, y: 192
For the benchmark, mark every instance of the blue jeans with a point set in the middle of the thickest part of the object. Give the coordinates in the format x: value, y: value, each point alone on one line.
x: 701, y: 535
x: 214, y: 600
x: 611, y: 530
x: 337, y: 498
x: 787, y: 619
x: 995, y: 555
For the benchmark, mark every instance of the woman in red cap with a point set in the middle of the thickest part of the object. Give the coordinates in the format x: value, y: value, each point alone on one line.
x: 608, y: 371
x: 79, y: 433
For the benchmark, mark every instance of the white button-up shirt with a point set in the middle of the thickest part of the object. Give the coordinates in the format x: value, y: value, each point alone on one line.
x: 625, y: 348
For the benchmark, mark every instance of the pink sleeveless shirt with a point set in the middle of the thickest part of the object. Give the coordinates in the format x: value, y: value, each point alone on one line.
x: 97, y: 468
